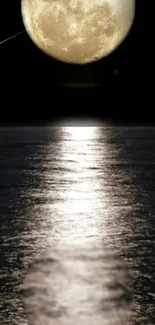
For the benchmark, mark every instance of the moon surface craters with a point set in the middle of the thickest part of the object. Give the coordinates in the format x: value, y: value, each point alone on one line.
x: 74, y: 31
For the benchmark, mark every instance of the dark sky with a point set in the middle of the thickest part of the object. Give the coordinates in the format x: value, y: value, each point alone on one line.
x: 29, y: 78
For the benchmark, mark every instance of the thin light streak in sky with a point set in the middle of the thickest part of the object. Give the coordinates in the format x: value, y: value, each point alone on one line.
x: 113, y: 136
x: 7, y: 39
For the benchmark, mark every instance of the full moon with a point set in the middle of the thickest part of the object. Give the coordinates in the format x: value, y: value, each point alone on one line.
x: 78, y: 31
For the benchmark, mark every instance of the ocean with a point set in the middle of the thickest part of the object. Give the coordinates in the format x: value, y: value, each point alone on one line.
x: 77, y: 225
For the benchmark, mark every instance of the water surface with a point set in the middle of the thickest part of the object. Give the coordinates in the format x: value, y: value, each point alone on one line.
x: 89, y: 187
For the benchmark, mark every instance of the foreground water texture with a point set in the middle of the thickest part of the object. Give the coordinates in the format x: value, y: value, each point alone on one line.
x: 77, y: 226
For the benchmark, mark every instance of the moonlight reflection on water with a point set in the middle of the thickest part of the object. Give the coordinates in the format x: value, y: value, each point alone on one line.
x: 77, y: 193
x: 78, y: 281
x: 78, y: 284
x: 83, y: 192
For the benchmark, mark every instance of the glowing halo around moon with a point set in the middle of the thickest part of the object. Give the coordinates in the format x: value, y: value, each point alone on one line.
x: 78, y: 31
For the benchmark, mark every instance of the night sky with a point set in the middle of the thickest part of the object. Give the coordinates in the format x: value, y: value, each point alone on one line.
x: 121, y: 82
